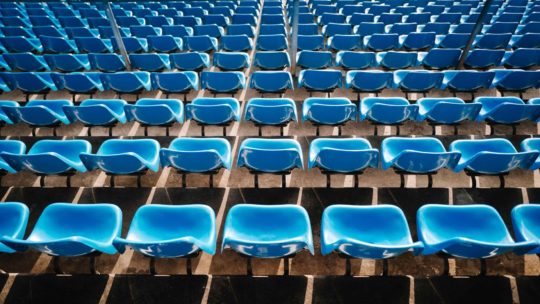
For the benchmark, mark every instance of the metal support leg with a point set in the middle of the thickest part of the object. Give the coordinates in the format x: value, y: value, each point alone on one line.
x: 68, y: 181
x: 92, y: 264
x: 433, y: 127
x: 42, y: 181
x: 385, y: 267
x: 375, y: 130
x: 167, y: 131
x: 33, y: 131
x: 513, y: 129
x: 89, y: 132
x: 56, y: 265
x: 139, y: 181
x: 112, y: 181
x: 501, y: 181
x: 317, y: 132
x: 145, y: 131
x: 402, y: 181
x: 348, y: 271
x: 249, y: 268
x: 54, y: 132
x: 491, y: 130
x: 256, y: 180
x: 473, y: 181
x: 202, y: 130
x: 211, y: 181
x: 446, y: 267
x: 152, y: 266
x: 281, y: 131
x: 283, y: 181
x: 110, y: 131
x: 455, y: 130
x: 398, y: 130
x: 224, y: 130
x: 328, y: 181
x: 339, y: 130
x: 189, y: 270
x: 430, y: 181
x: 184, y: 184
x: 260, y: 131
x: 356, y: 181
x: 483, y: 267
x: 286, y: 266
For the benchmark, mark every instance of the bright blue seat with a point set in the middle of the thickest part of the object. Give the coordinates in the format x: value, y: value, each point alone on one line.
x: 495, y: 156
x: 210, y: 30
x: 49, y: 31
x: 271, y: 82
x: 314, y: 60
x: 128, y: 21
x: 13, y: 147
x: 337, y: 29
x: 164, y: 44
x: 169, y: 231
x: 531, y: 145
x: 191, y: 61
x: 26, y: 62
x: 132, y: 44
x: 452, y: 41
x: 506, y: 110
x: 231, y: 61
x: 390, y: 18
x: 155, y: 112
x: 68, y: 62
x: 501, y: 28
x: 355, y: 60
x: 30, y: 82
x: 272, y: 42
x: 272, y: 29
x: 402, y: 28
x: 320, y: 80
x: 418, y: 41
x: 98, y: 112
x: 39, y: 113
x: 366, y: 232
x: 492, y: 41
x: 446, y: 111
x: 14, y: 218
x: 223, y: 82
x: 381, y: 42
x: 387, y: 111
x: 197, y: 155
x: 394, y: 60
x: 175, y: 82
x: 241, y: 18
x: 525, y: 219
x: 368, y: 81
x: 202, y: 43
x: 124, y: 157
x: 4, y: 119
x: 466, y: 80
x: 177, y: 31
x: 342, y: 156
x: 515, y: 80
x: 10, y: 31
x: 187, y: 20
x: 335, y: 111
x: 345, y: 42
x: 369, y: 28
x: 483, y: 59
x: 310, y: 42
x: 150, y: 62
x: 481, y: 232
x: 276, y: 156
x: 107, y: 62
x: 241, y: 29
x: 215, y: 19
x: 521, y: 59
x: 94, y: 45
x: 261, y: 231
x: 127, y: 82
x: 57, y: 45
x: 271, y: 60
x: 270, y: 111
x: 158, y: 21
x: 214, y: 111
x: 236, y: 43
x: 417, y: 80
x: 79, y: 82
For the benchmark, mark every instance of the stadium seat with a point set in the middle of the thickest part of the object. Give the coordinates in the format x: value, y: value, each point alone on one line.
x: 210, y: 30
x: 231, y: 61
x: 66, y: 230
x: 276, y: 82
x: 507, y: 111
x: 495, y: 156
x: 401, y: 28
x: 107, y: 62
x: 314, y: 60
x: 446, y: 111
x: 40, y: 113
x: 271, y: 112
x: 466, y: 81
x: 236, y: 43
x: 197, y: 155
x: 132, y: 44
x: 381, y: 42
x: 492, y: 41
x: 320, y: 81
x: 393, y: 60
x: 531, y: 145
x: 79, y: 83
x: 50, y: 157
x: 483, y: 59
x: 387, y: 111
x: 439, y: 28
x: 372, y: 81
x: 328, y: 111
x: 26, y: 62
x: 68, y: 62
x: 337, y: 29
x: 241, y: 29
x: 158, y: 21
x: 272, y: 43
x: 272, y: 29
x: 452, y: 41
x: 94, y: 45
x: 223, y: 82
x: 272, y: 60
x: 366, y: 232
x: 127, y: 82
x: 166, y: 231
x: 191, y: 61
x: 98, y: 112
x: 150, y: 62
x: 201, y: 43
x: 155, y: 112
x: 310, y: 42
x: 261, y: 231
x: 348, y: 60
x: 417, y: 81
x: 213, y: 111
x: 525, y: 222
x: 164, y: 44
x: 521, y: 59
x: 187, y: 20
x: 177, y: 31
x: 417, y: 41
x: 531, y: 40
x: 13, y: 147
x: 308, y: 29
x: 344, y: 42
x: 240, y: 18
x: 58, y: 45
x: 515, y: 80
x: 14, y: 218
x: 175, y: 82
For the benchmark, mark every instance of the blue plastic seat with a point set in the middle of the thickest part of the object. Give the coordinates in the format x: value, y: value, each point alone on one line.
x: 506, y: 110
x: 261, y: 231
x: 314, y: 60
x: 308, y: 29
x: 158, y: 21
x: 525, y: 219
x: 30, y: 82
x: 515, y: 80
x: 231, y: 61
x: 165, y: 44
x: 344, y: 42
x: 107, y: 62
x: 452, y: 41
x: 150, y: 62
x: 272, y: 29
x: 197, y: 155
x: 483, y: 59
x: 177, y: 31
x: 13, y: 147
x: 439, y: 28
x: 79, y: 82
x: 466, y: 80
x: 14, y: 218
x: 418, y: 41
x: 328, y: 111
x: 98, y: 112
x: 531, y: 145
x: 446, y: 111
x: 68, y: 62
x: 417, y: 80
x: 50, y: 31
x: 124, y: 157
x: 14, y: 31
x: 501, y: 27
x: 155, y: 112
x: 310, y: 42
x: 213, y: 111
x: 132, y: 44
x: 275, y: 156
x: 236, y: 43
x: 191, y: 61
x: 381, y: 42
x: 26, y: 62
x: 480, y: 234
x: 420, y: 18
x: 127, y: 82
x: 521, y: 59
x: 368, y: 81
x: 241, y: 18
x: 494, y: 156
x: 401, y: 28
x: 271, y: 81
x: 57, y: 45
x: 128, y: 21
x: 39, y: 113
x: 270, y: 111
x: 492, y: 41
x: 394, y: 60
x: 342, y: 156
x: 223, y: 82
x: 366, y: 232
x: 424, y: 155
x: 387, y: 111
x: 355, y: 60
x: 175, y: 82
x: 241, y: 29
x: 271, y: 60
x: 187, y: 20
x: 327, y: 18
x: 210, y: 30
x: 320, y: 80
x: 94, y: 45
x: 272, y: 43
x: 201, y: 43
x: 21, y: 44
x: 337, y: 29
x: 169, y: 231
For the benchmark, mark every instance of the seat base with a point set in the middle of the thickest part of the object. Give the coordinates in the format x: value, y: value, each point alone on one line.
x: 376, y: 125
x: 53, y: 127
x: 282, y: 173
x: 435, y: 124
x: 286, y: 264
x: 68, y: 174
x: 473, y: 176
x: 189, y: 268
x: 329, y: 174
x: 109, y: 126
x: 492, y: 125
x: 209, y: 173
x: 91, y: 263
x: 139, y: 175
x: 402, y: 174
x: 348, y: 270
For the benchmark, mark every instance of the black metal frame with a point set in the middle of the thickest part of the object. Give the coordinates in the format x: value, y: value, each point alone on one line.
x: 282, y: 173
x: 44, y: 93
x: 68, y: 174
x: 402, y: 174
x: 473, y: 176
x: 286, y: 264
x: 139, y: 176
x: 209, y: 173
x: 329, y: 174
x: 281, y: 126
x: 189, y: 267
x: 376, y: 125
x: 54, y: 127
x: 446, y: 267
x: 109, y: 126
x: 224, y: 126
x: 348, y: 268
x: 91, y: 263
x: 492, y: 125
x: 167, y: 127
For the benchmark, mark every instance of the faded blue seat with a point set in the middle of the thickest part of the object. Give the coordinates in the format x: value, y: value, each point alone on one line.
x: 214, y: 111
x: 492, y: 41
x: 264, y: 155
x: 165, y: 44
x: 155, y: 112
x: 30, y: 82
x: 98, y: 112
x: 480, y: 234
x: 124, y: 157
x: 272, y: 29
x: 495, y: 156
x: 337, y: 29
x: 127, y: 82
x: 14, y: 31
x: 14, y: 218
x: 270, y: 111
x: 366, y: 232
x: 369, y: 28
x: 368, y: 81
x: 439, y: 59
x: 177, y: 31
x: 231, y: 61
x: 79, y: 82
x: 276, y: 42
x: 169, y: 231
x: 521, y: 59
x: 175, y: 82
x: 314, y: 60
x: 310, y: 42
x: 515, y: 80
x: 402, y: 28
x: 452, y: 41
x: 26, y: 62
x: 345, y: 42
x: 57, y: 45
x: 223, y: 82
x: 506, y: 110
x: 394, y: 60
x: 197, y: 155
x: 14, y: 147
x: 211, y: 30
x: 525, y: 219
x: 381, y: 42
x: 132, y: 44
x: 4, y: 119
x: 531, y: 145
x: 320, y: 80
x: 39, y: 113
x: 262, y: 231
x: 417, y: 41
x: 271, y: 60
x: 68, y: 62
x: 191, y: 61
x: 241, y: 29
x: 342, y: 156
x: 236, y: 43
x: 271, y: 81
x: 417, y: 80
x: 201, y: 43
x: 446, y: 111
x: 150, y: 62
x: 335, y: 111
x: 466, y: 80
x: 107, y: 62
x: 387, y: 111
x: 530, y: 40
x: 355, y: 60
x: 187, y: 20
x: 158, y: 21
x: 241, y: 18
x: 483, y: 59
x: 94, y: 45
